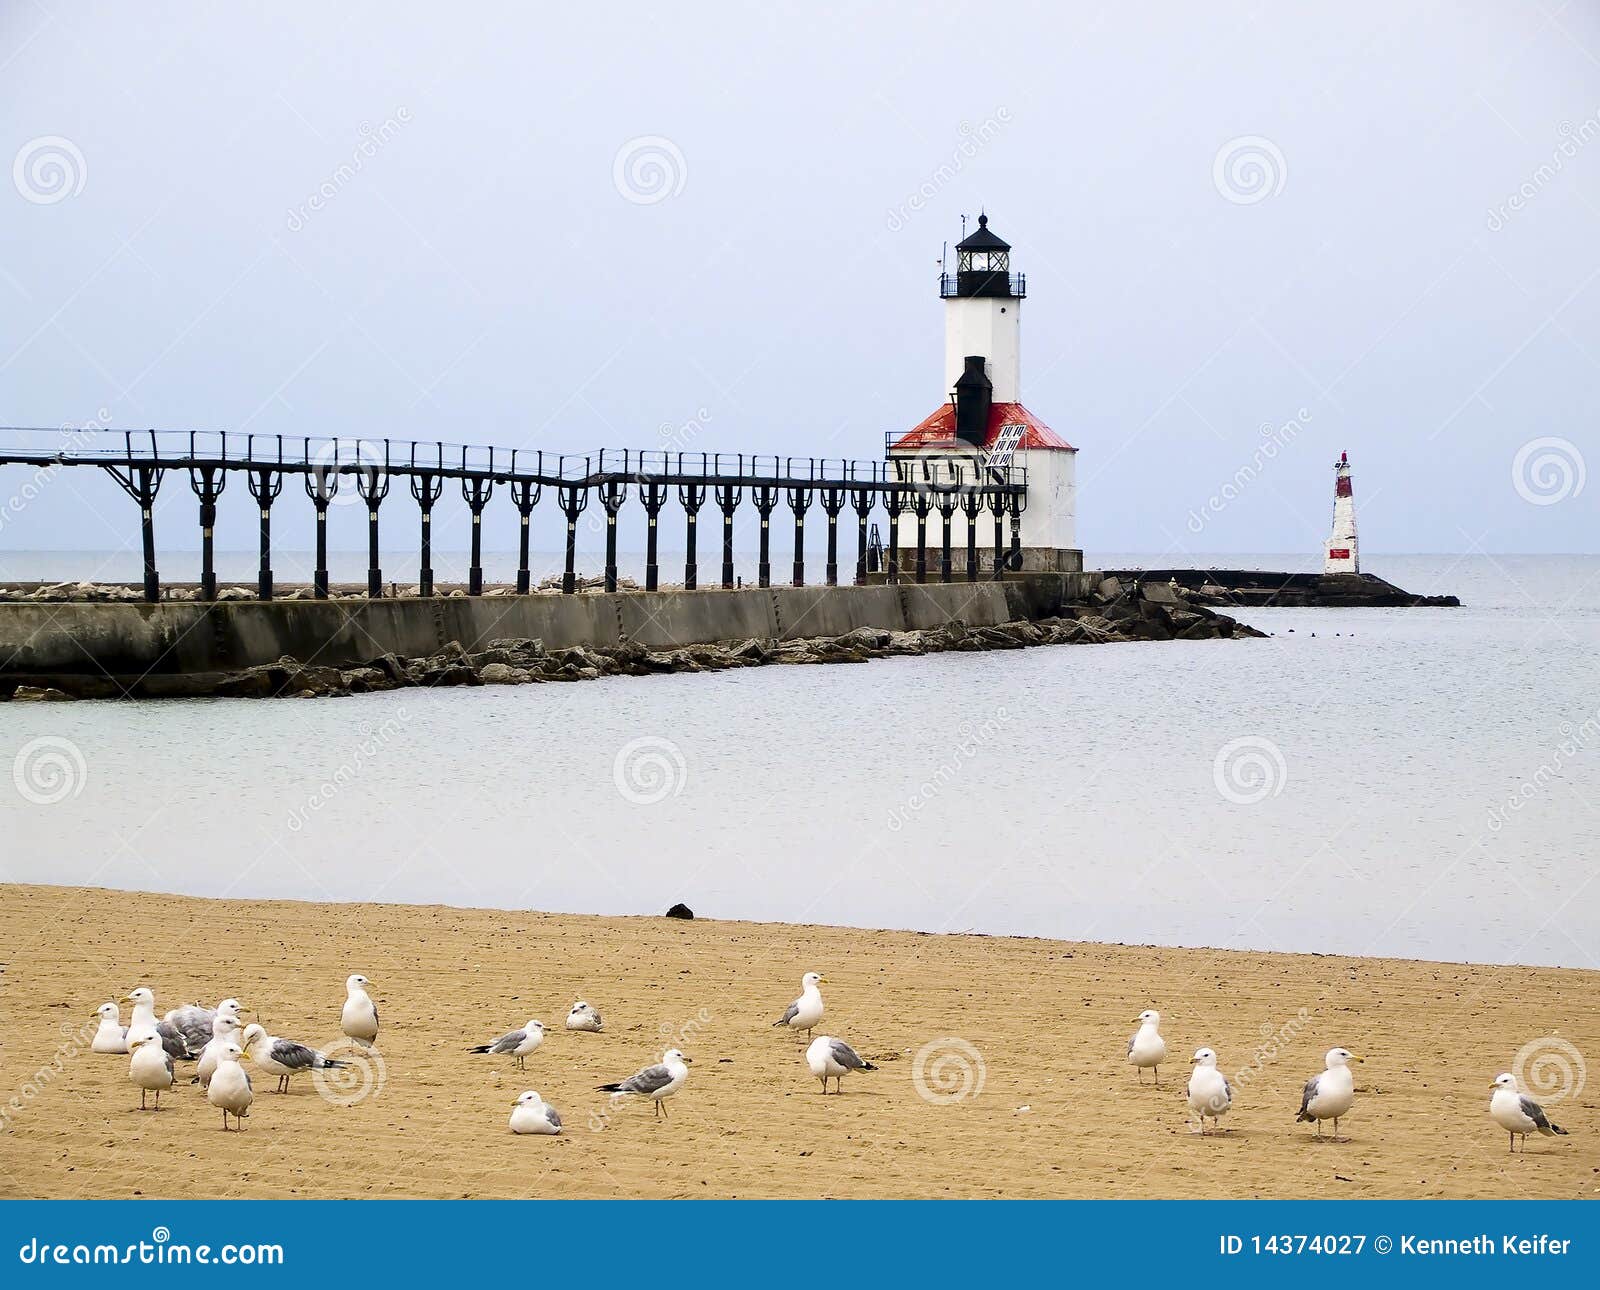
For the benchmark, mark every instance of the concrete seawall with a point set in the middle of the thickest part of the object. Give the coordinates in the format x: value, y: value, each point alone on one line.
x: 186, y: 636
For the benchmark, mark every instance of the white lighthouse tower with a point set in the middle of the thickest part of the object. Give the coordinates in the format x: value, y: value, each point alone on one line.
x: 1343, y: 554
x: 981, y: 424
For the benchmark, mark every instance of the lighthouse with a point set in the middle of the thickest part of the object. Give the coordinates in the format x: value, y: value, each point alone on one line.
x: 1343, y: 554
x: 981, y: 425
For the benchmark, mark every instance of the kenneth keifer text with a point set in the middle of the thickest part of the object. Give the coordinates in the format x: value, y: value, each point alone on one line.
x: 1485, y: 1244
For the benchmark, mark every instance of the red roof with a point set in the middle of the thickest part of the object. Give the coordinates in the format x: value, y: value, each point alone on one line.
x: 940, y: 429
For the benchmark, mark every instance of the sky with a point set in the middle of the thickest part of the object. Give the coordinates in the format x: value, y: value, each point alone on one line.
x: 1254, y: 236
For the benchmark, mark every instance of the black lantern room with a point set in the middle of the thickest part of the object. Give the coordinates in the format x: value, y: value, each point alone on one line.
x: 983, y: 268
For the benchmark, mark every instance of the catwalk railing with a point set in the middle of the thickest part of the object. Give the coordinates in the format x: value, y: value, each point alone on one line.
x: 914, y: 487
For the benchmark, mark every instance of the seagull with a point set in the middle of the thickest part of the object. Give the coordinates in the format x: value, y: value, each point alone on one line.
x: 655, y: 1082
x: 229, y: 1089
x: 360, y: 1016
x: 519, y: 1043
x: 1147, y: 1048
x: 143, y: 1024
x: 1209, y: 1090
x: 193, y: 1021
x: 283, y: 1057
x: 112, y: 1035
x: 1330, y: 1095
x: 806, y: 1011
x: 222, y: 1034
x: 583, y: 1017
x: 828, y: 1056
x: 1517, y: 1114
x: 150, y: 1067
x: 530, y: 1113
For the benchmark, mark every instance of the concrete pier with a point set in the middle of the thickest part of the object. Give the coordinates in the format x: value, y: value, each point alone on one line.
x: 191, y: 636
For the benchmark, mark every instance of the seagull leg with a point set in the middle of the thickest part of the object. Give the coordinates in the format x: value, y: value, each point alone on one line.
x: 824, y: 1086
x: 1156, y: 1071
x: 141, y: 1099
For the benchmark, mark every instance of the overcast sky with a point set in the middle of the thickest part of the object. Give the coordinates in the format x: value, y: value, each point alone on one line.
x: 627, y: 225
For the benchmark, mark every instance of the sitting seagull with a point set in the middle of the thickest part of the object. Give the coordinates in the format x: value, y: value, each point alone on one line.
x: 530, y: 1113
x: 1147, y: 1049
x: 1209, y: 1090
x: 360, y: 1016
x: 1330, y: 1095
x: 655, y: 1082
x: 223, y: 1031
x: 806, y: 1011
x: 150, y: 1067
x: 828, y: 1056
x: 1516, y: 1113
x: 283, y: 1057
x: 229, y: 1090
x: 583, y: 1017
x: 112, y: 1035
x: 519, y: 1043
x: 194, y: 1021
x: 143, y: 1024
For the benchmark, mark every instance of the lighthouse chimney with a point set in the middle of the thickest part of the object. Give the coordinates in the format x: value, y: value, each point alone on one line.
x: 974, y: 396
x: 1343, y: 555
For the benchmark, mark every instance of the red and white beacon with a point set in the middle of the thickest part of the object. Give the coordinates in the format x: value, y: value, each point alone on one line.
x: 1343, y: 554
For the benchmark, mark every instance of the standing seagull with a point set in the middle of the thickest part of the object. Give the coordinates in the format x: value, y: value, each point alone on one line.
x: 360, y: 1016
x: 143, y: 1024
x: 150, y: 1067
x: 806, y: 1011
x: 111, y: 1036
x: 583, y: 1017
x: 229, y: 1090
x: 828, y: 1056
x: 194, y: 1021
x: 1517, y: 1114
x: 1209, y: 1090
x: 222, y: 1034
x: 530, y: 1113
x: 655, y: 1082
x: 283, y: 1057
x: 519, y: 1043
x: 1330, y: 1095
x: 1147, y: 1049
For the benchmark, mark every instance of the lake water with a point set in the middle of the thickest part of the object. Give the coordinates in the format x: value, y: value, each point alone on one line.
x: 1418, y: 783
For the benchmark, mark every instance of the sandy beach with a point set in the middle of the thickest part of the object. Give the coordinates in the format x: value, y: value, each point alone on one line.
x: 1002, y: 1068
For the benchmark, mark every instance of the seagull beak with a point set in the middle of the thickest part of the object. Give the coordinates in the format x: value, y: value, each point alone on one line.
x: 1355, y: 1058
x: 688, y: 1061
x: 1193, y: 1060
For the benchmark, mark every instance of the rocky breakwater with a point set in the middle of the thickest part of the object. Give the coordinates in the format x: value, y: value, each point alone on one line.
x: 1115, y: 612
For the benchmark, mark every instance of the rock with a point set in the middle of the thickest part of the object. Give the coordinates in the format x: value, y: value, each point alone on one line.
x: 1109, y: 589
x: 366, y: 680
x: 680, y: 910
x: 504, y: 674
x: 523, y: 646
x: 868, y: 638
x: 38, y: 694
x: 235, y: 593
x: 451, y: 674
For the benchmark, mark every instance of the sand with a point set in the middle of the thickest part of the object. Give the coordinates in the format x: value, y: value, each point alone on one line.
x: 1055, y: 1111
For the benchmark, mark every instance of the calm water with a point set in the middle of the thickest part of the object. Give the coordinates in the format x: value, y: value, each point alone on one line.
x: 1426, y: 785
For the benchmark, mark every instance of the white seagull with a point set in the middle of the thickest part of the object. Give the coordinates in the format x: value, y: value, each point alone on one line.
x: 143, y: 1024
x: 360, y: 1016
x: 150, y: 1067
x: 519, y: 1043
x: 530, y: 1113
x: 1330, y: 1095
x: 583, y: 1017
x: 1209, y: 1090
x: 111, y: 1036
x: 229, y: 1090
x: 829, y: 1057
x: 1147, y: 1049
x: 223, y: 1032
x: 283, y: 1057
x: 655, y: 1082
x: 1517, y: 1114
x: 806, y: 1011
x: 194, y: 1021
